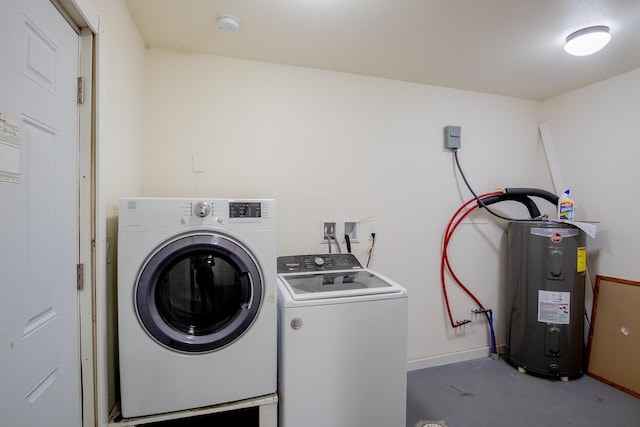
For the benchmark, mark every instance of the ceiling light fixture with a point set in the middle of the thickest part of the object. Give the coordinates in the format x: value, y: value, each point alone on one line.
x: 228, y: 23
x: 587, y: 40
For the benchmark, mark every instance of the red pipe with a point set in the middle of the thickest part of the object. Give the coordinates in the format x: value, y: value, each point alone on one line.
x: 451, y: 226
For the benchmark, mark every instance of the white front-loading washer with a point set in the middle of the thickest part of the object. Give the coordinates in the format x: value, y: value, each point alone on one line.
x: 197, y: 314
x: 342, y: 344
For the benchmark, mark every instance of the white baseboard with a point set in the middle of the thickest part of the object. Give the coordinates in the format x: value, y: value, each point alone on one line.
x: 445, y: 359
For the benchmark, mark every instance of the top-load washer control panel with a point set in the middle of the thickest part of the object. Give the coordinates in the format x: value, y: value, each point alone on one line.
x: 314, y: 263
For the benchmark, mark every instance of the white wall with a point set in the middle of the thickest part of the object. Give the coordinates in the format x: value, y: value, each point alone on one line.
x: 596, y: 132
x: 122, y: 59
x: 340, y: 146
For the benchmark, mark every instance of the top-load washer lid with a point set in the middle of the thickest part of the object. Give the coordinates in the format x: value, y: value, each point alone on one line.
x: 310, y: 277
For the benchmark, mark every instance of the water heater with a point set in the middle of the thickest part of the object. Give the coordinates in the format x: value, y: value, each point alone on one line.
x: 545, y: 298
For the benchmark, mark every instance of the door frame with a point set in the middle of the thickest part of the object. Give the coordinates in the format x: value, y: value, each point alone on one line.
x: 82, y: 15
x: 87, y: 232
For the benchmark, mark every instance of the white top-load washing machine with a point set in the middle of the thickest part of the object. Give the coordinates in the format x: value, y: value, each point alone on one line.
x: 197, y: 311
x: 342, y: 351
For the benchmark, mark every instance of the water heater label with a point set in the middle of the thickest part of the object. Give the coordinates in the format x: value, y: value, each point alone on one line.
x: 554, y: 307
x: 582, y: 259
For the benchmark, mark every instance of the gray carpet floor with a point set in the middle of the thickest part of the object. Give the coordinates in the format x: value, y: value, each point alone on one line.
x: 490, y: 392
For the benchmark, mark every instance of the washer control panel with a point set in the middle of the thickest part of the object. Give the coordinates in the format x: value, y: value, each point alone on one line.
x: 231, y: 211
x: 320, y: 262
x: 245, y: 210
x: 138, y: 214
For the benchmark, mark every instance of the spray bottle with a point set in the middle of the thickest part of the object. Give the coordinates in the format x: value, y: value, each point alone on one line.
x: 565, y: 207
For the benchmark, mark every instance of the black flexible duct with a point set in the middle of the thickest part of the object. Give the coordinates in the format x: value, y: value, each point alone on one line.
x: 531, y: 206
x: 534, y: 192
x: 521, y: 195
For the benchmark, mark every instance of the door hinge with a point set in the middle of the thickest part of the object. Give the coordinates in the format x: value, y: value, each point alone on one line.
x: 80, y: 90
x: 80, y: 277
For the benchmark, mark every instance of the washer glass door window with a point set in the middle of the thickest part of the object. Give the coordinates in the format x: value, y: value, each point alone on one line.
x: 198, y: 293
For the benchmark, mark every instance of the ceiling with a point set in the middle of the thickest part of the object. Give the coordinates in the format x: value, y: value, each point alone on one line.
x: 504, y: 47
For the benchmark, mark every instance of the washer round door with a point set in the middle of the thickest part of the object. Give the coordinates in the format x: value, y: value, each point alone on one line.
x: 198, y: 293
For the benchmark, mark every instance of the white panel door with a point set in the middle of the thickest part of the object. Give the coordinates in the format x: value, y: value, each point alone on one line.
x: 39, y: 356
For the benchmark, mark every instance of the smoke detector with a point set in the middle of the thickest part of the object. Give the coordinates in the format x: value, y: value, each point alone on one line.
x: 228, y: 23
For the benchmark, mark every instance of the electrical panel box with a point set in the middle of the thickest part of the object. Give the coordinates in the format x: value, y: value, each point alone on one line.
x: 452, y: 136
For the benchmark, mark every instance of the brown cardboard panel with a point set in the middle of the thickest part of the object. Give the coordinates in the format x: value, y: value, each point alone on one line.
x: 614, y: 336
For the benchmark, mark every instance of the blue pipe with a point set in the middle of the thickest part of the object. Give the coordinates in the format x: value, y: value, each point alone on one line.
x: 493, y: 336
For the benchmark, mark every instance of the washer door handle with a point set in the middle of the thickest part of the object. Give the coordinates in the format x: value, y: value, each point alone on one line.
x: 247, y: 305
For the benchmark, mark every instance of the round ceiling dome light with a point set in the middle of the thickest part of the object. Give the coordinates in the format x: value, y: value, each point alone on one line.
x: 228, y: 23
x: 587, y: 40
